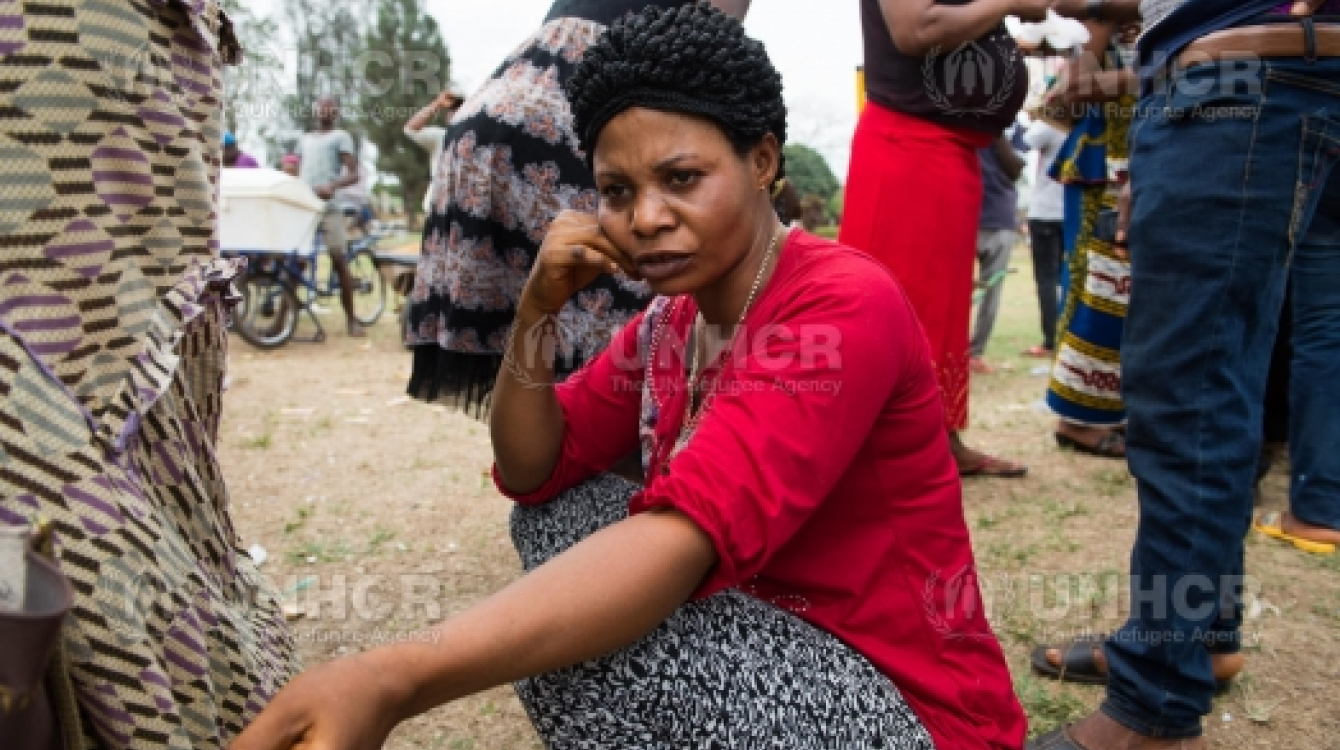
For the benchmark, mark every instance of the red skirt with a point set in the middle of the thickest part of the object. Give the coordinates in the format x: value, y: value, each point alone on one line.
x: 913, y: 199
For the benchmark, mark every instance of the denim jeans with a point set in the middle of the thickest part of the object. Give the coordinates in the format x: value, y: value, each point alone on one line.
x: 1235, y: 191
x: 1048, y: 243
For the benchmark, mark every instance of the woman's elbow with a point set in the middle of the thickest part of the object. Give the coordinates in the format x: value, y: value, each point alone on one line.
x: 913, y: 41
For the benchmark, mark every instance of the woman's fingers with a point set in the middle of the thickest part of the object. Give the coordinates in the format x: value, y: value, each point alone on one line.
x: 1305, y: 7
x: 575, y: 228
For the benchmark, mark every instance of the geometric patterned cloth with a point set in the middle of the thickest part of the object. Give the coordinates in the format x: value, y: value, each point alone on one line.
x: 113, y: 309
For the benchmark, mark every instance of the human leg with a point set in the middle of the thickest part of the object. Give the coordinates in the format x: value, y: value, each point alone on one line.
x: 993, y: 262
x: 1203, y: 316
x: 1046, y: 242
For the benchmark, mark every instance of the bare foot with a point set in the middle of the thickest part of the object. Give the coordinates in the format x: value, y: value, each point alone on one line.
x: 1292, y: 526
x: 974, y: 463
x: 1098, y: 731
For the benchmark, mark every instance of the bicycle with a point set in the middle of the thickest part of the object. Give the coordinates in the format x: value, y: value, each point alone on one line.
x: 268, y: 314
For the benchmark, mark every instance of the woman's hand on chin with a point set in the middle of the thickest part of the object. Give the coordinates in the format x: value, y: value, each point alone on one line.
x: 574, y: 253
x: 347, y: 704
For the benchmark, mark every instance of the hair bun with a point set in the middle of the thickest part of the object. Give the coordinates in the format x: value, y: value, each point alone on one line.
x: 692, y: 59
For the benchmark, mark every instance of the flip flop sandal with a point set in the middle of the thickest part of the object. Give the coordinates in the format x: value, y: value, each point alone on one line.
x: 1038, y: 352
x: 1057, y: 739
x: 1113, y: 445
x: 1271, y: 523
x: 1079, y: 666
x: 995, y: 468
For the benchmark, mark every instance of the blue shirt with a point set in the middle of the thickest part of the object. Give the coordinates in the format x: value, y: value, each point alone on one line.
x: 1000, y: 198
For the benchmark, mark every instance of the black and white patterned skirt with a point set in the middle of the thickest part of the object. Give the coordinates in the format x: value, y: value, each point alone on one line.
x: 730, y: 671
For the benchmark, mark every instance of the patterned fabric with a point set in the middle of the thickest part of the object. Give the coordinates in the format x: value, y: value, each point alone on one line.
x: 112, y: 340
x: 510, y: 165
x: 1085, y: 385
x: 727, y: 671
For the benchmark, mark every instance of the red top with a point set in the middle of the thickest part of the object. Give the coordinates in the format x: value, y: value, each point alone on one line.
x: 820, y: 470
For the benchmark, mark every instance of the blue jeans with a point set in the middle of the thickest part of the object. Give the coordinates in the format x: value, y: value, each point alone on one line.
x: 1235, y: 191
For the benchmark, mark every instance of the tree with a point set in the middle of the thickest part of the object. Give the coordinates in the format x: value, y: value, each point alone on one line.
x: 809, y: 172
x: 249, y: 88
x: 330, y: 60
x: 402, y: 32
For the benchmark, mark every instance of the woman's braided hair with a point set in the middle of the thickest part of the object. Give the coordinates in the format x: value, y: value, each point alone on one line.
x: 693, y: 60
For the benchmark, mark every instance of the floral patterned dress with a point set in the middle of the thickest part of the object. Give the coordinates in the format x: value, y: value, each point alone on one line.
x: 511, y: 163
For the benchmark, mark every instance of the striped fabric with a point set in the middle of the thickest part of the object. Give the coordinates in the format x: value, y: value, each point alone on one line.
x: 112, y: 334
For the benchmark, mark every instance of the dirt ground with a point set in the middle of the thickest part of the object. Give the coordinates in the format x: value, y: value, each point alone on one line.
x: 377, y: 518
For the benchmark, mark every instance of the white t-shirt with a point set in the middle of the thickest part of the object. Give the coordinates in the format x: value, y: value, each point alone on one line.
x: 430, y: 139
x: 1048, y: 202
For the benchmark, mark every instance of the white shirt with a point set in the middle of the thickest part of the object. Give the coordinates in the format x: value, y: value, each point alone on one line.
x: 430, y: 139
x: 1048, y: 202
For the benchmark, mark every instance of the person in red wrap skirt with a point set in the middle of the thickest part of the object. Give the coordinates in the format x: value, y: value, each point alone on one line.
x: 942, y: 80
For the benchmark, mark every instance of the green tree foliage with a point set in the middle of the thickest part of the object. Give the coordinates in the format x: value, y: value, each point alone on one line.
x: 809, y: 172
x: 405, y: 50
x: 249, y: 88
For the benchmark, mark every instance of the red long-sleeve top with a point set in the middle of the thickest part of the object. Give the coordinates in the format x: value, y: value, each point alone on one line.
x: 820, y: 470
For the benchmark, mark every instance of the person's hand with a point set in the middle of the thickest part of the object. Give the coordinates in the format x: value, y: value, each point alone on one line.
x: 1031, y: 10
x: 574, y: 253
x: 324, y: 192
x: 1305, y: 7
x: 346, y: 704
x: 445, y: 100
x: 1123, y: 220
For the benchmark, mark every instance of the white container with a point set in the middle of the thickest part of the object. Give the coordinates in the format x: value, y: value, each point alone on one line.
x: 265, y: 210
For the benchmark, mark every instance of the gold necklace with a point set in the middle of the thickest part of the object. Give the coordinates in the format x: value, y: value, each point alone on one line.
x: 697, y: 361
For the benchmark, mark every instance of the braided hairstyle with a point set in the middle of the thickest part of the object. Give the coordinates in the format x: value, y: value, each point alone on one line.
x: 692, y: 60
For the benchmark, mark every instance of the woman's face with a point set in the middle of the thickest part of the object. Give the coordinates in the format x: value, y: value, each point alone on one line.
x: 677, y: 198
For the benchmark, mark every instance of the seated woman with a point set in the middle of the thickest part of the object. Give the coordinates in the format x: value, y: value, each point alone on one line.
x: 796, y: 571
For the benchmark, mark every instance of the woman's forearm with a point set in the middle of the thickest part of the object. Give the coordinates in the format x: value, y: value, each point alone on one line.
x: 920, y: 26
x: 421, y: 118
x: 525, y: 420
x: 599, y: 596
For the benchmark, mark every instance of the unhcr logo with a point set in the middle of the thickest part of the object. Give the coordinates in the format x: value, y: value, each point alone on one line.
x: 971, y: 73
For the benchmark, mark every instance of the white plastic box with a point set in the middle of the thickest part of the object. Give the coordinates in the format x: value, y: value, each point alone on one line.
x: 265, y: 210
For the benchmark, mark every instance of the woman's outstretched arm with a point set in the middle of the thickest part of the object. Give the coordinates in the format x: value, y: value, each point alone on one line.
x: 601, y: 595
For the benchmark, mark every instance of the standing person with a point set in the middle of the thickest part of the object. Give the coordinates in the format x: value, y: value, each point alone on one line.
x: 431, y: 138
x: 1225, y: 212
x: 236, y: 157
x: 327, y: 162
x: 511, y: 164
x: 1085, y: 386
x: 773, y: 584
x: 1046, y: 225
x: 113, y: 334
x: 942, y: 80
x: 997, y: 232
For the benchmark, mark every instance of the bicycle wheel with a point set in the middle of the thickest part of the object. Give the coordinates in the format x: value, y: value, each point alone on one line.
x: 268, y: 313
x: 369, y: 288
